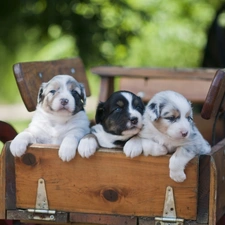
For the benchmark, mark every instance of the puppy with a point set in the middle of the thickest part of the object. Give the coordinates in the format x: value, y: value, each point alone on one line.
x: 117, y: 120
x: 59, y: 118
x: 169, y: 127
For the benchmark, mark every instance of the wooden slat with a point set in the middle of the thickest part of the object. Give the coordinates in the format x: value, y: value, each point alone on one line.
x: 203, y: 189
x: 218, y: 181
x: 10, y: 185
x: 215, y: 101
x: 102, y: 219
x: 194, y: 90
x: 159, y: 73
x: 2, y: 184
x: 30, y: 75
x: 107, y: 183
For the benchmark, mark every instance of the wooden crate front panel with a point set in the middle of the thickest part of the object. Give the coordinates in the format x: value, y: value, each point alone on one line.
x: 107, y: 183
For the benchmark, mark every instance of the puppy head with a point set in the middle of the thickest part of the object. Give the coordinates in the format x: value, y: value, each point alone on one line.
x: 121, y: 114
x: 171, y: 114
x: 62, y: 95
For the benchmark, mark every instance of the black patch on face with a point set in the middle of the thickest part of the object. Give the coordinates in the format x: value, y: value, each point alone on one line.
x: 41, y: 96
x: 138, y: 105
x: 157, y: 108
x: 79, y: 103
x: 113, y: 114
x: 154, y: 109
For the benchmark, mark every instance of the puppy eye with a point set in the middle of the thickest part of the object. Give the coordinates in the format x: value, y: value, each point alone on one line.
x: 189, y: 118
x: 118, y: 109
x: 171, y: 118
x: 52, y: 91
x: 139, y: 107
x: 73, y: 91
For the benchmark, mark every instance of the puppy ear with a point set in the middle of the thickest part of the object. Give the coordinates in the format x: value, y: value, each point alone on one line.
x: 41, y: 96
x: 153, y: 111
x: 83, y: 93
x: 100, y: 111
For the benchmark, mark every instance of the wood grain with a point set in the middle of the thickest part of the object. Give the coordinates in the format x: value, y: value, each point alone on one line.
x: 218, y: 180
x: 2, y: 184
x: 79, y: 185
x: 214, y: 102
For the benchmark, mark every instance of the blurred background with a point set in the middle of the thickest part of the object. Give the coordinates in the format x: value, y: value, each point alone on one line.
x: 152, y: 33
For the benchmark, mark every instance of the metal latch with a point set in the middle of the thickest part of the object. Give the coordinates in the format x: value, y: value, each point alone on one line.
x: 169, y: 212
x: 41, y: 211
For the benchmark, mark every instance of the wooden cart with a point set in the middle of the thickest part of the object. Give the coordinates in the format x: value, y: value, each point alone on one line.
x: 110, y: 188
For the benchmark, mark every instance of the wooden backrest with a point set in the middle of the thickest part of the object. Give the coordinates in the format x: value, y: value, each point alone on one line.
x: 192, y: 83
x: 215, y: 99
x: 30, y: 75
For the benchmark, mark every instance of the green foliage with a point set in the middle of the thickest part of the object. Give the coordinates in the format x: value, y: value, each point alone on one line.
x: 155, y: 33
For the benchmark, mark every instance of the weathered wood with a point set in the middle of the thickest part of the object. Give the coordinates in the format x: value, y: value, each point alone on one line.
x: 148, y: 87
x: 10, y: 181
x: 103, y: 219
x: 2, y: 184
x: 218, y: 179
x: 30, y: 75
x: 158, y: 73
x: 203, y: 189
x: 136, y: 186
x: 215, y: 102
x: 148, y: 81
x: 106, y: 88
x: 59, y: 217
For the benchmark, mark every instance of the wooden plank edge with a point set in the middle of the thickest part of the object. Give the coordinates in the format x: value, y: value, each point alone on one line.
x: 2, y: 184
x: 102, y: 219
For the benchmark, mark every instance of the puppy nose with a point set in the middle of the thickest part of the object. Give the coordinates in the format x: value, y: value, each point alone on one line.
x: 64, y: 101
x: 134, y: 120
x: 184, y: 133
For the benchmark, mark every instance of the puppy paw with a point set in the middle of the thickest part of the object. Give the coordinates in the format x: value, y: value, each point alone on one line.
x: 133, y: 147
x: 67, y: 150
x: 178, y: 176
x: 87, y: 146
x: 18, y: 147
x: 152, y: 148
x: 206, y: 148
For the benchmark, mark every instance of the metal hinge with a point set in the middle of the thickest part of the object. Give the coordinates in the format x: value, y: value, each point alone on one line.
x: 169, y: 212
x: 41, y: 211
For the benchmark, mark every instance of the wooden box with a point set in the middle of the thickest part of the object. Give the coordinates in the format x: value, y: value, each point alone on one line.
x: 110, y: 188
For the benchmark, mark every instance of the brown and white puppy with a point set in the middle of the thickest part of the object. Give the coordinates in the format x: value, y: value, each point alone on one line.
x: 168, y: 127
x: 59, y: 118
x: 118, y: 119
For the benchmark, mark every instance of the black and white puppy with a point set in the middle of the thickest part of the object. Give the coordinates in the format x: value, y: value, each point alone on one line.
x: 118, y: 119
x: 168, y: 127
x: 59, y: 118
